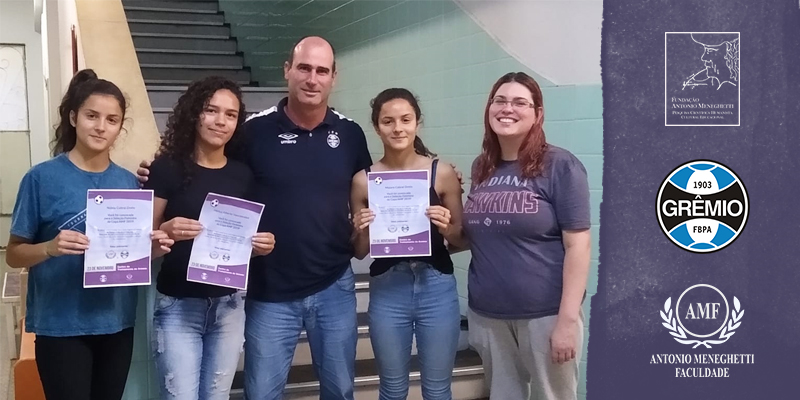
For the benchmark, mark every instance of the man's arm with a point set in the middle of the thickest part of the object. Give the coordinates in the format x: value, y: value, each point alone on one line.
x: 363, y: 158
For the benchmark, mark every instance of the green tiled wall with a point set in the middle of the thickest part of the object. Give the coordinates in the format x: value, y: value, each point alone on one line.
x: 266, y: 30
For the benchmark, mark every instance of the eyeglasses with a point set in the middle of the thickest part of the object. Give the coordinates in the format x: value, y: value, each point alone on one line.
x: 516, y: 103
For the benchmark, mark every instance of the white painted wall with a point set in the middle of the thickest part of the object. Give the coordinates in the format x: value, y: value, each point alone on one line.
x: 61, y: 16
x: 17, y: 27
x: 561, y: 38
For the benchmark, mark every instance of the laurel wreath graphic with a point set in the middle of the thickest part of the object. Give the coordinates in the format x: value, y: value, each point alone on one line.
x: 680, y: 335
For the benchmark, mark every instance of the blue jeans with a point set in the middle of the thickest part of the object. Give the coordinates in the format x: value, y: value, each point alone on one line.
x: 272, y: 331
x: 414, y: 299
x: 196, y: 345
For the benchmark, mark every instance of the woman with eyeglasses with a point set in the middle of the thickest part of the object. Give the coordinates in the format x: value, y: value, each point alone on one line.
x: 527, y: 221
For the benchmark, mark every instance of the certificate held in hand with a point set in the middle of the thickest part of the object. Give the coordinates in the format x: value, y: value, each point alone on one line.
x: 399, y: 200
x: 221, y: 252
x: 118, y: 225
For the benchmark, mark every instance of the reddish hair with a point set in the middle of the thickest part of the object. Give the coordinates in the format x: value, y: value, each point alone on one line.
x: 533, y: 147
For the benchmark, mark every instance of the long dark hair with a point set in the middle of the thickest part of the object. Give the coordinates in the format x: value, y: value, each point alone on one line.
x: 180, y: 137
x: 404, y: 94
x: 532, y: 148
x: 84, y: 84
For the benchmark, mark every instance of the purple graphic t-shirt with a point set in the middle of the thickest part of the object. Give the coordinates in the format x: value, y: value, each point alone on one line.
x: 514, y: 226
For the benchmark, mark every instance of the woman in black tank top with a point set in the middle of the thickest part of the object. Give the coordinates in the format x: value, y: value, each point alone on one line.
x: 411, y: 296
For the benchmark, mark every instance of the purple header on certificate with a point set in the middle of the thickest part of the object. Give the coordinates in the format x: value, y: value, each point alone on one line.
x: 101, y: 195
x: 134, y: 273
x: 216, y: 200
x: 407, y: 246
x: 232, y: 276
x: 377, y: 177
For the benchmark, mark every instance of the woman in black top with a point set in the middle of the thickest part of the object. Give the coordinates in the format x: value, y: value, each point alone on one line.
x: 411, y: 296
x: 198, y: 328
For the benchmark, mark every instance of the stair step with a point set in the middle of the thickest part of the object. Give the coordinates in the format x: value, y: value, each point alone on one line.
x: 257, y: 100
x: 361, y: 266
x: 184, y: 45
x: 161, y: 121
x: 174, y: 18
x: 191, y: 66
x: 182, y: 82
x: 363, y: 326
x: 185, y: 81
x: 362, y: 282
x: 214, y: 61
x: 275, y: 30
x: 362, y: 292
x: 177, y: 36
x: 162, y: 116
x: 302, y: 353
x: 302, y: 383
x: 252, y: 89
x: 268, y: 19
x: 261, y: 42
x: 183, y: 31
x: 193, y: 7
x: 181, y: 75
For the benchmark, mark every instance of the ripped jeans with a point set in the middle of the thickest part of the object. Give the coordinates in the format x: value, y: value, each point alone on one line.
x: 196, y: 344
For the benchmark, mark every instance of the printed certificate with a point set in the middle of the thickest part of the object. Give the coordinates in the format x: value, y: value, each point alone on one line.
x: 118, y: 224
x: 399, y: 200
x: 221, y: 252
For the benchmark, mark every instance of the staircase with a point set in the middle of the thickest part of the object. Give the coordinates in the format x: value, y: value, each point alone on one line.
x: 302, y: 384
x: 178, y: 41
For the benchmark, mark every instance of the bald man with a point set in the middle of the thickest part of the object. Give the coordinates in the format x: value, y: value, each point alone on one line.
x: 303, y: 155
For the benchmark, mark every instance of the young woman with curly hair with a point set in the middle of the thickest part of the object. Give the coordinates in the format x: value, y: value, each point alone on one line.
x: 199, y: 328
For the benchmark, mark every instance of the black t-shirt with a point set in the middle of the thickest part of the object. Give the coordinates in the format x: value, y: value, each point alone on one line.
x: 166, y: 180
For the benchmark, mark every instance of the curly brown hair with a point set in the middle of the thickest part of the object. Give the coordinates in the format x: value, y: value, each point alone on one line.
x: 178, y: 142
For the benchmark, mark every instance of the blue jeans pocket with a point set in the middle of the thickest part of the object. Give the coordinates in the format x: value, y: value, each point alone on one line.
x: 437, y: 275
x: 382, y: 276
x: 236, y: 301
x: 348, y: 281
x: 164, y: 302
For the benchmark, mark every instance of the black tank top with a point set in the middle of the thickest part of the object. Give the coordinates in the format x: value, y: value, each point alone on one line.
x: 439, y: 258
